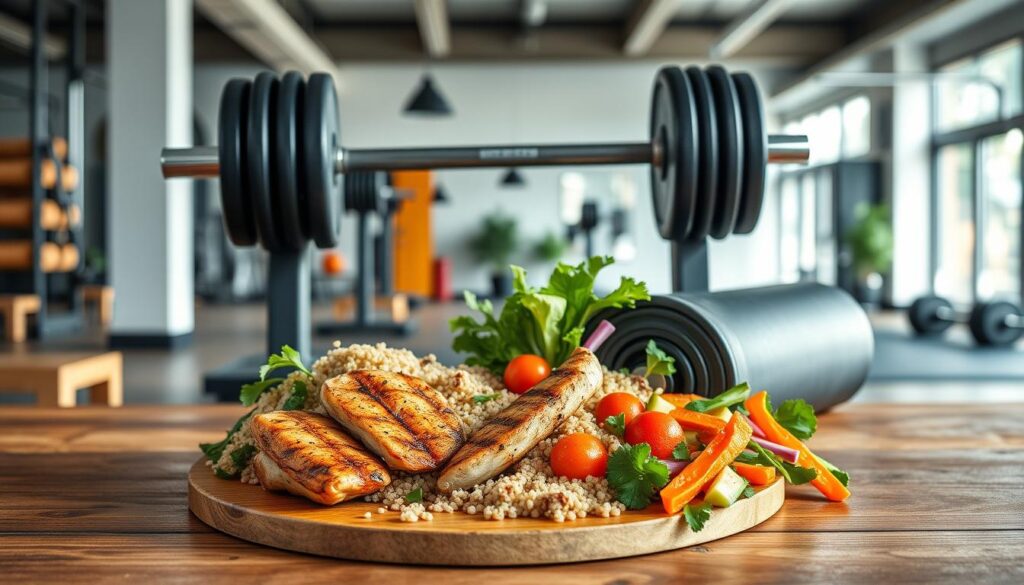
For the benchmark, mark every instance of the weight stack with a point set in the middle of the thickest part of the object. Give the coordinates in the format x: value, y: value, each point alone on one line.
x: 804, y: 341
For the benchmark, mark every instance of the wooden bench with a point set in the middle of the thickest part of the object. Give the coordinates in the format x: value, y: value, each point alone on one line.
x: 55, y: 377
x: 103, y: 297
x: 15, y: 310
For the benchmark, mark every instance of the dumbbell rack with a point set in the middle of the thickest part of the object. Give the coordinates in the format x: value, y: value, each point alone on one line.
x: 34, y: 279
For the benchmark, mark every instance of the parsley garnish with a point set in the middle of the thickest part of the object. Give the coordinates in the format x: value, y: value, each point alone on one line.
x: 635, y: 475
x: 287, y: 358
x: 681, y: 452
x: 797, y: 417
x: 696, y: 516
x: 415, y: 495
x: 482, y: 398
x: 298, y: 398
x: 658, y: 362
x: 730, y: 397
x: 616, y: 424
x: 213, y: 451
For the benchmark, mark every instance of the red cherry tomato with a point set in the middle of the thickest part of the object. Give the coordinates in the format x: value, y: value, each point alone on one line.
x: 525, y: 371
x: 658, y: 430
x: 617, y: 403
x: 578, y: 455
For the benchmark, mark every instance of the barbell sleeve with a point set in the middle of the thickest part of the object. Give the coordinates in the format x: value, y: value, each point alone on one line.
x: 203, y: 162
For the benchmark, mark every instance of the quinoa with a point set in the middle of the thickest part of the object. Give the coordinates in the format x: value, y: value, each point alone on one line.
x: 528, y: 489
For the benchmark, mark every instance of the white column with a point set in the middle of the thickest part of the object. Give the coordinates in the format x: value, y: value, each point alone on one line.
x: 149, y: 52
x: 911, y: 176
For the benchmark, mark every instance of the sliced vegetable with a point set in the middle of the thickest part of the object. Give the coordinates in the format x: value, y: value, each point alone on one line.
x: 675, y: 466
x: 696, y: 516
x: 785, y: 453
x: 755, y: 474
x: 600, y: 335
x: 827, y: 483
x: 841, y: 475
x: 753, y: 427
x: 658, y: 430
x: 658, y: 362
x: 697, y: 421
x: 735, y: 395
x: 659, y: 404
x: 635, y: 475
x: 680, y: 400
x: 793, y: 474
x: 722, y: 413
x: 525, y: 371
x: 725, y: 489
x: 578, y: 456
x: 720, y: 452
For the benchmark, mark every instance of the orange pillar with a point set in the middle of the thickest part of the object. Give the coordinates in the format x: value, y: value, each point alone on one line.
x: 414, y: 247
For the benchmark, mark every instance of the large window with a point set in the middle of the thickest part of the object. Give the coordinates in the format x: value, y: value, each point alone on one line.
x: 977, y: 157
x: 839, y: 131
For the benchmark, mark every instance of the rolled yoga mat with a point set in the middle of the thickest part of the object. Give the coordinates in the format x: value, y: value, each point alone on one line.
x: 17, y: 255
x: 17, y: 213
x: 19, y: 147
x: 17, y: 173
x: 806, y: 341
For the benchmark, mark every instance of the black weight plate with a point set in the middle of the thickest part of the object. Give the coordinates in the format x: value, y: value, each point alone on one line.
x: 321, y: 140
x: 923, y: 315
x: 286, y: 157
x: 755, y: 152
x: 262, y: 171
x: 674, y: 130
x: 730, y: 151
x: 707, y: 146
x: 988, y: 323
x: 232, y: 128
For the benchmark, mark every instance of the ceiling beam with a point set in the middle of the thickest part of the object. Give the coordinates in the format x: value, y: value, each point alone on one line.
x: 747, y: 26
x: 647, y: 23
x: 432, y: 20
x: 266, y: 30
x: 18, y: 35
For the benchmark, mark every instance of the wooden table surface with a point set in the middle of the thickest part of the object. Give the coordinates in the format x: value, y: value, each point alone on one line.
x: 99, y: 495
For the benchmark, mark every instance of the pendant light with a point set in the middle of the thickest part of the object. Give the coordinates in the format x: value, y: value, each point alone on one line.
x: 427, y: 100
x: 513, y: 178
x: 440, y: 194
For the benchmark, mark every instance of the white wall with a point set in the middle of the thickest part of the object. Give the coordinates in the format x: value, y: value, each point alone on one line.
x: 500, y: 103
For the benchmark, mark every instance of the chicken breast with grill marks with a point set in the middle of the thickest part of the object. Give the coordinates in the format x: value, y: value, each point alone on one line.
x: 309, y: 455
x: 509, y: 435
x: 398, y: 417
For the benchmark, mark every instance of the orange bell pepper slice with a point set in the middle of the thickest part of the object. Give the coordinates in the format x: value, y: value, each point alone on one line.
x: 680, y: 400
x: 697, y: 421
x: 720, y: 452
x: 826, y: 483
x: 755, y: 474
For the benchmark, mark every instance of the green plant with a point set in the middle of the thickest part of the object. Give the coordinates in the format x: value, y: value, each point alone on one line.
x: 497, y: 241
x: 871, y: 239
x: 550, y: 248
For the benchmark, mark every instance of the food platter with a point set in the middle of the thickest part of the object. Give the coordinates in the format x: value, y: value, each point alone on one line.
x: 454, y: 539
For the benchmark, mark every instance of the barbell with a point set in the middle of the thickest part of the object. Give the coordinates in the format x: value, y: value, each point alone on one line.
x: 282, y: 166
x: 995, y: 323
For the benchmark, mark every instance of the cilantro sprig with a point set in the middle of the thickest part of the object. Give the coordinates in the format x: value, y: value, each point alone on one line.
x: 288, y: 358
x: 658, y: 362
x: 697, y: 515
x: 616, y: 424
x: 797, y: 417
x: 482, y: 398
x: 635, y: 475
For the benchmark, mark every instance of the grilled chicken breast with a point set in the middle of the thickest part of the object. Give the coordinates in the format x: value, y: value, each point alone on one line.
x: 399, y: 417
x: 509, y: 435
x: 309, y: 455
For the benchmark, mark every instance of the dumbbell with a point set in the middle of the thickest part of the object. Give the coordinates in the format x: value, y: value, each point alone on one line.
x: 282, y: 165
x: 998, y: 323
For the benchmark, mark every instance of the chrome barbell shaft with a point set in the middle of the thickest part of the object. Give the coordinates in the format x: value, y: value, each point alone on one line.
x: 203, y: 161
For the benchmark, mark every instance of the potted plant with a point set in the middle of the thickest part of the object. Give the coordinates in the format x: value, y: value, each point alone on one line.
x: 494, y: 245
x: 550, y: 248
x: 871, y: 244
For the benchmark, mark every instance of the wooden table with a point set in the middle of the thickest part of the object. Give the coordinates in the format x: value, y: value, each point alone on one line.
x: 97, y: 494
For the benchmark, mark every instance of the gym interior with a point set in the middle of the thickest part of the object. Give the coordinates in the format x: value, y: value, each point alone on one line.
x: 819, y: 197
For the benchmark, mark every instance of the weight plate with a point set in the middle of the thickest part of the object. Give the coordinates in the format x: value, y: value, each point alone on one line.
x: 730, y: 151
x: 286, y: 157
x: 232, y: 129
x: 989, y: 325
x: 707, y: 147
x: 674, y: 131
x: 924, y: 315
x: 262, y: 171
x: 320, y: 139
x: 755, y: 152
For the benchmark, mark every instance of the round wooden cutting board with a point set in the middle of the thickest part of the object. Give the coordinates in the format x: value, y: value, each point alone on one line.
x: 288, y: 522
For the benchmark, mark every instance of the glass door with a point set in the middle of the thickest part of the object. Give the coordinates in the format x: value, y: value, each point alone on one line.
x: 999, y: 215
x: 955, y: 213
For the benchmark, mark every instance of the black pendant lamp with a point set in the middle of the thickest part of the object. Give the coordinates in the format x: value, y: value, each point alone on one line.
x: 513, y: 178
x: 440, y: 195
x: 427, y: 100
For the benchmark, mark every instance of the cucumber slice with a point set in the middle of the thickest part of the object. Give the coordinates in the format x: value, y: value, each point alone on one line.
x: 726, y: 489
x: 721, y: 412
x: 659, y: 404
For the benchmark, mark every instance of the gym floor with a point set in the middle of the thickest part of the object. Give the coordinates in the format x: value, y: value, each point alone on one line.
x: 226, y: 332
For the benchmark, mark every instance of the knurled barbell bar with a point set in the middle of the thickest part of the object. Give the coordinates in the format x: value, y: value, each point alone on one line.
x: 279, y: 151
x: 997, y: 323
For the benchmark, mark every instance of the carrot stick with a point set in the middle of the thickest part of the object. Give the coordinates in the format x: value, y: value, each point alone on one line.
x: 826, y: 483
x: 680, y: 400
x: 755, y: 474
x: 697, y: 421
x: 720, y: 452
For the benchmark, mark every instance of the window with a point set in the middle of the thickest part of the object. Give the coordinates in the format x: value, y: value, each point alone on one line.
x: 857, y: 126
x: 999, y: 276
x: 955, y: 234
x: 837, y: 132
x: 981, y: 88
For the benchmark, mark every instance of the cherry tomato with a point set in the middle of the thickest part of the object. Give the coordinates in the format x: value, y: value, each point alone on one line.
x: 525, y: 371
x: 578, y: 455
x: 658, y: 430
x: 617, y: 403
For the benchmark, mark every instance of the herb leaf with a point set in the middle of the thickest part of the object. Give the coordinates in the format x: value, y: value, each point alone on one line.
x: 635, y: 475
x: 298, y: 398
x: 240, y: 457
x: 696, y: 516
x: 616, y: 424
x: 797, y: 417
x: 287, y: 358
x: 251, y: 392
x: 681, y: 452
x: 748, y: 492
x: 793, y: 474
x: 482, y: 398
x: 730, y: 397
x: 214, y: 451
x: 658, y: 362
x: 415, y: 495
